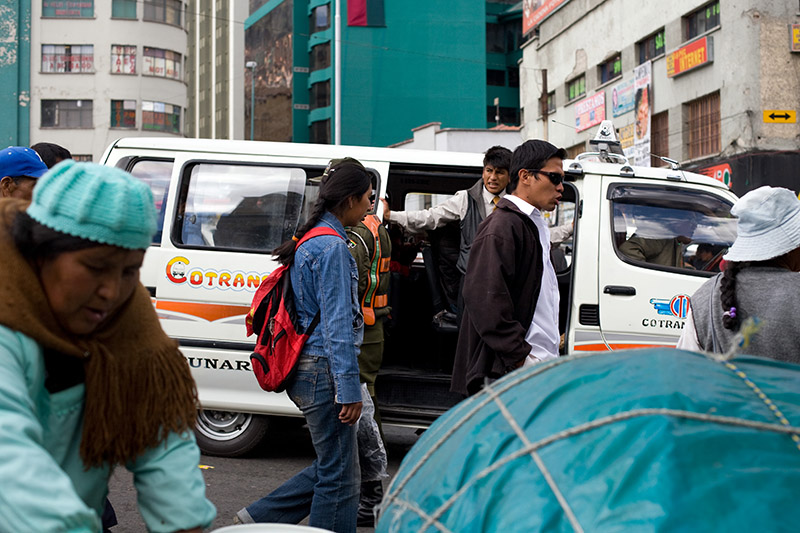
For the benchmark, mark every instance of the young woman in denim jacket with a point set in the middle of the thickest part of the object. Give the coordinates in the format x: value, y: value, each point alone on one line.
x: 326, y: 385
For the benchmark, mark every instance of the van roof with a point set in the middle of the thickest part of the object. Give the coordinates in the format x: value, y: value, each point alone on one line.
x: 288, y: 149
x: 432, y: 157
x: 589, y: 167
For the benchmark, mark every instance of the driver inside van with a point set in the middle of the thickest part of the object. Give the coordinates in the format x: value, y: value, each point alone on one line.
x: 663, y: 251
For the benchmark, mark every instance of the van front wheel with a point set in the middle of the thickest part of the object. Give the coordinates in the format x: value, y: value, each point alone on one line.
x: 229, y: 434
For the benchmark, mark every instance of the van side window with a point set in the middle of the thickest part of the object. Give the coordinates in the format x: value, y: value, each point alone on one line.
x: 244, y: 207
x: 156, y: 174
x: 669, y: 229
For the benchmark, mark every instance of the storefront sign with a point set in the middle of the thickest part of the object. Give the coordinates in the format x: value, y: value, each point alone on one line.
x: 626, y: 140
x: 795, y: 29
x: 693, y: 55
x: 622, y: 98
x: 590, y: 111
x: 68, y: 8
x: 643, y: 104
x: 720, y: 173
x: 534, y: 11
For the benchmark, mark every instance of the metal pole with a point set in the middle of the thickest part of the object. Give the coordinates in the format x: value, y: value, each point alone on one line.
x: 545, y: 110
x: 337, y: 75
x: 252, y: 66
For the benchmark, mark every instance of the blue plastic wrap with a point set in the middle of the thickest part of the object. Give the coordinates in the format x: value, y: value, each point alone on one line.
x: 640, y: 440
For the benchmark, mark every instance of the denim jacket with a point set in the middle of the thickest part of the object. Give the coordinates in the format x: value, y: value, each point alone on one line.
x: 325, y: 278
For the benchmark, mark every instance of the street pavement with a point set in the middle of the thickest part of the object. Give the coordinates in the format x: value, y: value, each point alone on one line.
x: 234, y: 483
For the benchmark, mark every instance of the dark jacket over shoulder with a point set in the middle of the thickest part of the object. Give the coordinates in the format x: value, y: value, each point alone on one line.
x: 501, y: 288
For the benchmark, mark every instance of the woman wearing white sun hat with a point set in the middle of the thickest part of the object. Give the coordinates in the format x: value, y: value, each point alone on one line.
x: 760, y: 280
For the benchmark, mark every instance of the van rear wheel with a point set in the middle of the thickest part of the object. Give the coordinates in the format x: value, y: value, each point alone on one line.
x: 229, y: 434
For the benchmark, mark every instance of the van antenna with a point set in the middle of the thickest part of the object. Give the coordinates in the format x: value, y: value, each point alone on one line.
x: 562, y: 124
x: 674, y: 165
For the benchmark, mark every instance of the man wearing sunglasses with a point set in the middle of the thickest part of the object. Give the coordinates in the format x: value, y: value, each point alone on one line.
x: 510, y: 315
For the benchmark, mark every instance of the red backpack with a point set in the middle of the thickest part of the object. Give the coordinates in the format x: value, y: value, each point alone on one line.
x: 274, y: 317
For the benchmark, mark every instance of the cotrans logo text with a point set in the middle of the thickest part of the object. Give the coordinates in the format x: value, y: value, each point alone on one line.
x: 179, y: 272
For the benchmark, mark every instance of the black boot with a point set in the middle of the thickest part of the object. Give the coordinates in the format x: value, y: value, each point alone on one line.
x: 371, y: 496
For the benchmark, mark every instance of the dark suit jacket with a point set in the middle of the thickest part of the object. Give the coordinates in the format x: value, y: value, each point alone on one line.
x: 501, y: 288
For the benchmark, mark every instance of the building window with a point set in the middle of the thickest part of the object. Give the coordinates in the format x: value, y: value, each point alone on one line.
x: 123, y: 114
x: 67, y: 58
x: 610, y: 69
x: 320, y: 18
x: 158, y: 116
x: 123, y: 9
x: 168, y: 11
x: 66, y: 114
x: 495, y: 77
x: 513, y: 77
x: 161, y: 63
x: 651, y: 47
x: 513, y: 37
x: 702, y: 20
x: 659, y: 138
x: 494, y: 39
x: 576, y: 87
x: 64, y: 9
x: 321, y: 94
x: 508, y: 115
x: 123, y: 59
x: 704, y: 137
x: 320, y: 56
x: 321, y: 131
x: 551, y: 102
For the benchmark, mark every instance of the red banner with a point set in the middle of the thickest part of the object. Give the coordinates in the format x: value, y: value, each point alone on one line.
x: 356, y: 12
x: 533, y: 11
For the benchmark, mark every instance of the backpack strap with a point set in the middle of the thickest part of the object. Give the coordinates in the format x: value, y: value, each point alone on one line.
x: 317, y: 232
x: 310, y: 234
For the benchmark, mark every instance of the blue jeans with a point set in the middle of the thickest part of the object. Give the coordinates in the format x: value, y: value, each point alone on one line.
x: 328, y: 490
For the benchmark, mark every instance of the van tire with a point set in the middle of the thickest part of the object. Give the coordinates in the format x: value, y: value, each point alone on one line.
x: 229, y: 434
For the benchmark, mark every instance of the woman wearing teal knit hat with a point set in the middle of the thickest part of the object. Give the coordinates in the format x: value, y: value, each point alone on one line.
x: 88, y: 380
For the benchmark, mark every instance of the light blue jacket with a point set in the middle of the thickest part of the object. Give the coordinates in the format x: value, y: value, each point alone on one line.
x: 43, y: 483
x: 324, y: 278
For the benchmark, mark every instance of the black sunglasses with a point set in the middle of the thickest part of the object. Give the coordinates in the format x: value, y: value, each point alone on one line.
x: 556, y: 178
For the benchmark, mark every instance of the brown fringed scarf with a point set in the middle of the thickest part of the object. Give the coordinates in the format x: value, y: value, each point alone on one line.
x: 138, y: 385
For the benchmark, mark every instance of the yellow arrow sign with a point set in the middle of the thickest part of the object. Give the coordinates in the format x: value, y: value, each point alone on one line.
x: 783, y: 116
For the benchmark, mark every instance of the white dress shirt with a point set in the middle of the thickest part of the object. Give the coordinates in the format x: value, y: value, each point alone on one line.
x: 450, y: 210
x: 543, y: 335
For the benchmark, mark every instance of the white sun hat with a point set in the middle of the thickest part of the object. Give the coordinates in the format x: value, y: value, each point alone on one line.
x: 768, y: 225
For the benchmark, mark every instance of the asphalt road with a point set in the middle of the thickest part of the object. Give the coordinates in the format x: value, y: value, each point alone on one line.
x: 234, y: 483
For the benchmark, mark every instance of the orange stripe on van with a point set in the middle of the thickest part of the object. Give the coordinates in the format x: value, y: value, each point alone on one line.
x: 603, y: 348
x: 210, y: 312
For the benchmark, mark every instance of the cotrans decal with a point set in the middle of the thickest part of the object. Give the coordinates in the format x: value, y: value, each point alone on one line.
x: 677, y: 307
x: 178, y: 272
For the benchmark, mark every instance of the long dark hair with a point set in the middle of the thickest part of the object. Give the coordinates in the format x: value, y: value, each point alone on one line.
x: 36, y: 242
x: 339, y: 184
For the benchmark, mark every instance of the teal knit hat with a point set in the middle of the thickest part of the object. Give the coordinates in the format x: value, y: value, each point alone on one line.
x: 94, y: 202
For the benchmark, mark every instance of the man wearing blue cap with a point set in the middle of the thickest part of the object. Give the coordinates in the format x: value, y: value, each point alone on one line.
x: 20, y: 168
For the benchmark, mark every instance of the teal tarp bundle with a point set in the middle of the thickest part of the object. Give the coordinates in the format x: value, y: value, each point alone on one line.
x: 640, y: 440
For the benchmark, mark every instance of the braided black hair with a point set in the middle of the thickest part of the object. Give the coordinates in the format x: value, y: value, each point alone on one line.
x: 340, y: 183
x: 727, y: 294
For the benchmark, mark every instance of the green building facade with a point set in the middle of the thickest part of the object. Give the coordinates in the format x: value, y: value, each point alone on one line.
x: 403, y: 65
x: 15, y: 72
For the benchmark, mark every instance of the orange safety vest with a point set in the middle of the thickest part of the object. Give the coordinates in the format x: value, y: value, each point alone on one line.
x: 378, y: 267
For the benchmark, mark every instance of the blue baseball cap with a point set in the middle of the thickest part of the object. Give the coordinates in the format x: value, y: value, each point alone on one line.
x: 21, y: 161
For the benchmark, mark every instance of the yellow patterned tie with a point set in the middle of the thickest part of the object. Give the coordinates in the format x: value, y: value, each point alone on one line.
x: 494, y: 201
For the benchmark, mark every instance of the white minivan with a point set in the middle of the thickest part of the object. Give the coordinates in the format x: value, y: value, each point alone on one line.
x: 225, y: 205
